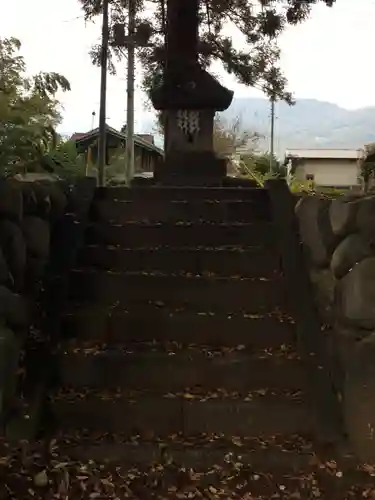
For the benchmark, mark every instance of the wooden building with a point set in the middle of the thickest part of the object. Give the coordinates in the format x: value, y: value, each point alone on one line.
x: 146, y: 154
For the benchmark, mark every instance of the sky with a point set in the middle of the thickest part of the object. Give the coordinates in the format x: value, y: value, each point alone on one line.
x: 329, y: 58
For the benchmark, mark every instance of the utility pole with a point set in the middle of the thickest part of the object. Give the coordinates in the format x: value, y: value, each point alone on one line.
x: 272, y: 147
x: 130, y: 92
x: 137, y: 36
x: 103, y: 95
x: 93, y: 114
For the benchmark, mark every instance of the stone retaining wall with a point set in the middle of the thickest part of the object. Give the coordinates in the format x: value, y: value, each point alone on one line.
x: 339, y: 242
x: 33, y: 233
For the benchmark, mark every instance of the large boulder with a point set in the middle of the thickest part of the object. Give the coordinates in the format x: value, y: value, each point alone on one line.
x: 14, y: 309
x: 353, y: 249
x: 315, y: 229
x: 324, y: 291
x: 5, y: 277
x: 36, y: 232
x: 343, y: 216
x: 366, y: 218
x: 35, y: 270
x: 11, y: 201
x: 343, y: 339
x: 42, y: 207
x: 46, y: 200
x: 13, y: 246
x: 9, y: 359
x: 355, y: 295
x: 30, y: 202
x: 57, y: 198
x: 359, y: 398
x: 80, y: 197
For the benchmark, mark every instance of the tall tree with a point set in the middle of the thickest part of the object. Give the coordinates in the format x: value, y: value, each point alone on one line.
x: 250, y: 52
x: 229, y: 136
x: 29, y: 111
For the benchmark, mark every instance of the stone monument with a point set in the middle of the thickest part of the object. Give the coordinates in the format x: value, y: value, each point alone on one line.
x: 189, y: 97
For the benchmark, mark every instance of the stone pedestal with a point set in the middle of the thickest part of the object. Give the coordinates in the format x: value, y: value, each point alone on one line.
x: 189, y: 156
x: 188, y: 146
x: 193, y: 168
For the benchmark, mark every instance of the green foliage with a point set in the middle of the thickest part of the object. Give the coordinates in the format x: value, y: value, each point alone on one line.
x: 256, y: 167
x: 116, y: 171
x: 302, y: 186
x: 29, y: 111
x: 367, y: 164
x: 307, y: 187
x: 252, y: 55
x: 250, y: 173
x: 65, y: 161
x: 261, y: 163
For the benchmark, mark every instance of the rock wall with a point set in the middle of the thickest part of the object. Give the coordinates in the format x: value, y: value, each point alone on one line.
x: 339, y: 243
x: 36, y: 242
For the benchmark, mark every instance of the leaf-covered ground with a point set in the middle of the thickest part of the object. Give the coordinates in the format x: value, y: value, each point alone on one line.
x: 50, y: 469
x: 45, y: 471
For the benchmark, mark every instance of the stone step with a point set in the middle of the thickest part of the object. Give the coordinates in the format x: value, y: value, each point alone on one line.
x: 108, y: 466
x: 257, y: 295
x: 160, y: 193
x: 163, y: 416
x: 250, y: 262
x: 286, y: 452
x: 178, y: 367
x: 182, y: 235
x: 150, y: 322
x: 120, y: 212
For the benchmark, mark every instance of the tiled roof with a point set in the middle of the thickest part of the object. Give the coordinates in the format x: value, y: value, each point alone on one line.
x: 139, y: 141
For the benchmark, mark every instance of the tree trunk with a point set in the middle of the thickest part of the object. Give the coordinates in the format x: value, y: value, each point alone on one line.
x: 182, y: 33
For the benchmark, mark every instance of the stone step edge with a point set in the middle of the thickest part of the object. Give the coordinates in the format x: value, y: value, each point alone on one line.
x: 208, y: 201
x: 274, y: 276
x: 276, y: 396
x: 234, y: 249
x: 199, y: 224
x: 161, y: 274
x: 175, y: 348
x: 190, y: 456
x: 81, y: 307
x: 75, y: 310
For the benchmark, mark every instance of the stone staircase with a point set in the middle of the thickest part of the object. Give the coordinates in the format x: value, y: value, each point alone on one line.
x: 178, y: 338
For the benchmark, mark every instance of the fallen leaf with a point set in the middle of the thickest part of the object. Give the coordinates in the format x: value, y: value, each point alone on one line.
x: 106, y: 482
x: 237, y: 441
x: 41, y: 479
x: 370, y: 469
x: 296, y: 495
x: 60, y: 465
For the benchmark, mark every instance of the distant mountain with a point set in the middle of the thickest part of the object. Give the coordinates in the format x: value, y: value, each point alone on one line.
x: 308, y: 124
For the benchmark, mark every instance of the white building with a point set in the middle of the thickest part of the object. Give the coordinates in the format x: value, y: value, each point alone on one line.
x: 327, y: 167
